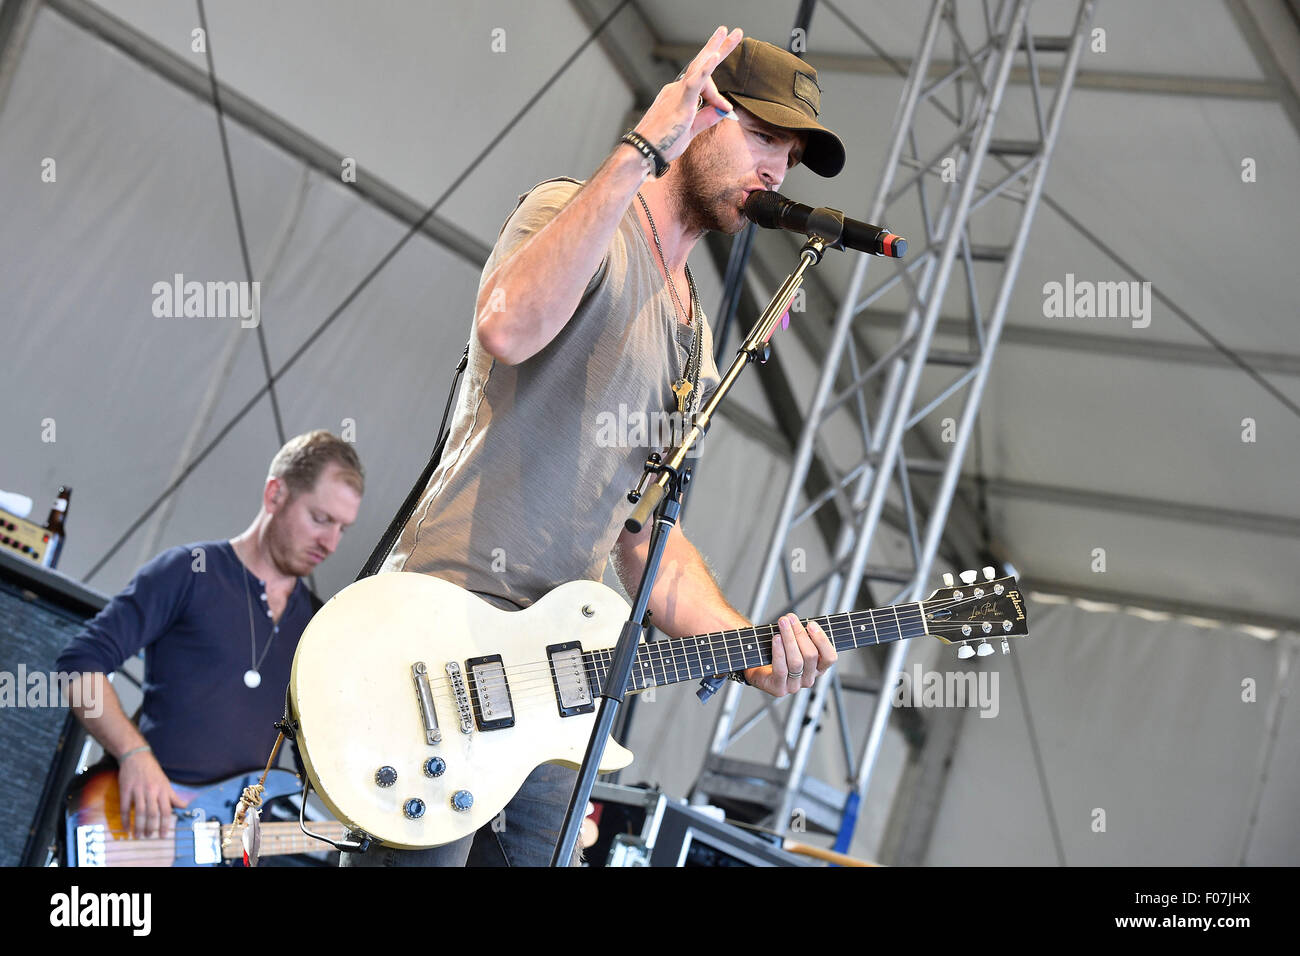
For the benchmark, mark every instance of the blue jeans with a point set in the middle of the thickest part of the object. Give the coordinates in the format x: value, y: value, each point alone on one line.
x: 526, y: 836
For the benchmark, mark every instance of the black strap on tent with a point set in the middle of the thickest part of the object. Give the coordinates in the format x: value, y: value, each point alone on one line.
x: 390, y: 536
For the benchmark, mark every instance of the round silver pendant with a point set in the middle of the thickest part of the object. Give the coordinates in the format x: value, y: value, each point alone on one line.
x: 252, y: 678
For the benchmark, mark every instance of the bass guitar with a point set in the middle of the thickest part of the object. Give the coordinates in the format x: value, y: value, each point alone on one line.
x: 96, y: 835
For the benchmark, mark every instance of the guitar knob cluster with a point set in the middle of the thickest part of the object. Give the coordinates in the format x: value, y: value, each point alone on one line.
x: 385, y: 776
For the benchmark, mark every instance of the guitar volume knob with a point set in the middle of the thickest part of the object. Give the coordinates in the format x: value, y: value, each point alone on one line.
x: 385, y: 776
x: 462, y: 800
x: 435, y: 767
x: 413, y: 808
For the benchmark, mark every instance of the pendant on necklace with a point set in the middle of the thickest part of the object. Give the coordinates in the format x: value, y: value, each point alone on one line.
x: 252, y: 678
x: 682, y: 389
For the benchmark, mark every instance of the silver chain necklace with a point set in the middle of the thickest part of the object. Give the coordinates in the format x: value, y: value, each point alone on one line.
x: 686, y: 388
x: 253, y: 676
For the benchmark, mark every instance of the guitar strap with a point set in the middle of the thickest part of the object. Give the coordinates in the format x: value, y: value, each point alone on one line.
x: 390, y: 536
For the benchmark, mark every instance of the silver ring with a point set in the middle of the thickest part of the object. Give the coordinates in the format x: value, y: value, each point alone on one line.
x: 794, y: 675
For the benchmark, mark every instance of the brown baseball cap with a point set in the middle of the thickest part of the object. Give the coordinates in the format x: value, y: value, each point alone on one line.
x: 781, y: 89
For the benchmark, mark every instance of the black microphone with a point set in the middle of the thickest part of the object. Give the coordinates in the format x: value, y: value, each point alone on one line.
x: 773, y: 211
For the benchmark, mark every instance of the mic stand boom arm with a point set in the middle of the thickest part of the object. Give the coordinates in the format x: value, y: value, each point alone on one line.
x: 663, y: 499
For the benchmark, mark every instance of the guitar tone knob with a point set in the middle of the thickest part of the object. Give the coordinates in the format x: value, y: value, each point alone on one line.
x: 435, y: 767
x: 462, y: 800
x: 385, y: 776
x: 413, y: 808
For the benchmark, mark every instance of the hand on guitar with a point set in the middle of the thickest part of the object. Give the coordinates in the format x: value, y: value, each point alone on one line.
x: 148, y: 794
x: 799, y: 656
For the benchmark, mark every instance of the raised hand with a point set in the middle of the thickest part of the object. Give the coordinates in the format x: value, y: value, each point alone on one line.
x: 677, y: 115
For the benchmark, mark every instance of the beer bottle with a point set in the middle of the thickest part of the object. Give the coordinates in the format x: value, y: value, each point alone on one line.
x: 55, y: 525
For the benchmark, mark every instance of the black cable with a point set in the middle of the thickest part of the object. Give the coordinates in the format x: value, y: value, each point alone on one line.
x: 239, y: 217
x: 417, y: 227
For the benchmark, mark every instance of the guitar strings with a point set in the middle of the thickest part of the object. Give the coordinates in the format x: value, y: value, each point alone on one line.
x: 533, y: 674
x: 534, y: 669
x: 125, y: 847
x: 765, y: 631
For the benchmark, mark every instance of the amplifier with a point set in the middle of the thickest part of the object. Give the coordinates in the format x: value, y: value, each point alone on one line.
x: 639, y: 827
x: 40, y: 611
x: 26, y: 539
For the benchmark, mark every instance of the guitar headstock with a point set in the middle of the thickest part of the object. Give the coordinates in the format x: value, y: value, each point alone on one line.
x: 975, y: 611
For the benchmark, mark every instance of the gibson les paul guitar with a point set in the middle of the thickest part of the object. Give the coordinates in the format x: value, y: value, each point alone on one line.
x: 420, y: 708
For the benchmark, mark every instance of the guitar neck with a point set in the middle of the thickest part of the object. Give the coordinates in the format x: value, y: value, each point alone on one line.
x: 279, y: 839
x: 673, y: 660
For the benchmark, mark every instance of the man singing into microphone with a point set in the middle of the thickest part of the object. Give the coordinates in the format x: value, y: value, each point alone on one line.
x: 586, y: 305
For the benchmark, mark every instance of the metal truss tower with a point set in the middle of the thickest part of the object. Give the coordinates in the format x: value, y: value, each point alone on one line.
x: 878, y: 412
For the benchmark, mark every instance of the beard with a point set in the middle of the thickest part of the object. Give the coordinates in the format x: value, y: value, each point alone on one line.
x: 705, y: 194
x: 284, y: 555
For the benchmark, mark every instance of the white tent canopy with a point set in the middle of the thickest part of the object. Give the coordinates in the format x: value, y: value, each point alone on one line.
x: 1145, y: 442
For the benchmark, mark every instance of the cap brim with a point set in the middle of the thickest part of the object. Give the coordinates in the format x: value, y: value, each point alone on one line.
x: 824, y: 154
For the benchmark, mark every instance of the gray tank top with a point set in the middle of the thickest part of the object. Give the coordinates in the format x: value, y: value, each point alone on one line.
x: 531, y: 489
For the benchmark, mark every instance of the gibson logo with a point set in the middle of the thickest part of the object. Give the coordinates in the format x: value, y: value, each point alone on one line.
x: 1015, y: 599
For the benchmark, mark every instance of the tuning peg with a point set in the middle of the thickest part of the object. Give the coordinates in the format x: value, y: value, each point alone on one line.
x: 989, y: 573
x: 964, y: 651
x: 985, y: 649
x: 947, y: 579
x: 968, y: 577
x: 1006, y: 646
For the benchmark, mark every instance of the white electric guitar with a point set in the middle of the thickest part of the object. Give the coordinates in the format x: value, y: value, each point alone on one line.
x: 421, y: 708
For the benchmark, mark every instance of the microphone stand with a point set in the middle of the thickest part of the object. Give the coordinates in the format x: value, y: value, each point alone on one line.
x: 663, y: 500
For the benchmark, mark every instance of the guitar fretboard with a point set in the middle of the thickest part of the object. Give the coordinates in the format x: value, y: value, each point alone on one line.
x: 673, y: 660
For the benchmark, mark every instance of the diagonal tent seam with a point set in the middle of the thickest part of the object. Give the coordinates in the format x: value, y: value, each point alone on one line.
x: 351, y: 296
x: 239, y: 217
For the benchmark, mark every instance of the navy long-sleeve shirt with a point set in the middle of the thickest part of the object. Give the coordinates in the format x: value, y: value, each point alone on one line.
x: 189, y: 609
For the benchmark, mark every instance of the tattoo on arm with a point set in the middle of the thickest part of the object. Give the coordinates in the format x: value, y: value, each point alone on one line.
x: 671, y: 138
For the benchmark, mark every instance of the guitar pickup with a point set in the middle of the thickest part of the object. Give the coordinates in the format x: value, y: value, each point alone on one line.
x: 490, y: 693
x: 569, y: 677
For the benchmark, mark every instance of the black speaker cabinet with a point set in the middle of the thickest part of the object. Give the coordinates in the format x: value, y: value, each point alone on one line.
x: 40, y: 741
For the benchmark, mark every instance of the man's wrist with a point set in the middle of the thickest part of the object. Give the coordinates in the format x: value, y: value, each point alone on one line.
x: 143, y: 748
x: 649, y: 154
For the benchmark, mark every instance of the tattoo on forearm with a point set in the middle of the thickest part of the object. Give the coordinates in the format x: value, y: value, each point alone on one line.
x: 671, y: 138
